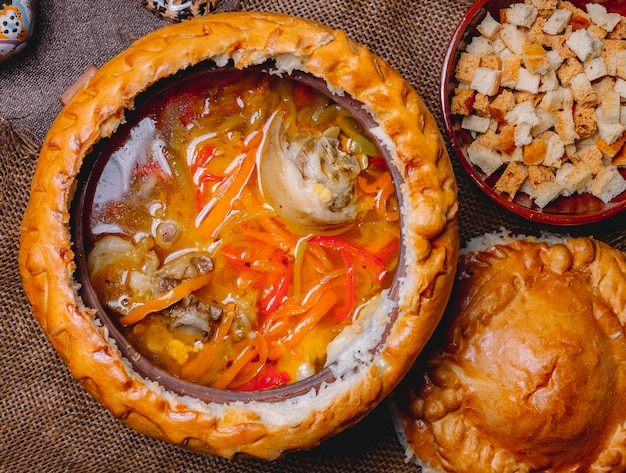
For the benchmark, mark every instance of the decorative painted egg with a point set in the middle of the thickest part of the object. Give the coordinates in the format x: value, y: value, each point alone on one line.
x: 179, y: 10
x: 17, y: 23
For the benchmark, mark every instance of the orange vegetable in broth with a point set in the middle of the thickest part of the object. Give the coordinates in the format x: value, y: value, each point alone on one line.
x: 227, y: 274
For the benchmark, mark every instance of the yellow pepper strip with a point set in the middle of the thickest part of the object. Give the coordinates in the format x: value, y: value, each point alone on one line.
x: 167, y: 299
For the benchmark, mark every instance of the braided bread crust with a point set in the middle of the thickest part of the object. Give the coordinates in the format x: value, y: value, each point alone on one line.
x: 529, y: 375
x: 264, y: 429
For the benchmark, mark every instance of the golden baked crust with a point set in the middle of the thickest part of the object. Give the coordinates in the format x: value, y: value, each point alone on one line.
x: 529, y: 375
x: 430, y: 233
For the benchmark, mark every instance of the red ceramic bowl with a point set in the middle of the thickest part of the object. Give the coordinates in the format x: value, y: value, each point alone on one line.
x: 573, y: 210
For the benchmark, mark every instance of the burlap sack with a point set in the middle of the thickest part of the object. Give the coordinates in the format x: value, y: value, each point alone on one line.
x: 48, y: 423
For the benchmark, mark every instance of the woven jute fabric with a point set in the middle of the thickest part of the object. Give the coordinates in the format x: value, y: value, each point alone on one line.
x: 48, y: 423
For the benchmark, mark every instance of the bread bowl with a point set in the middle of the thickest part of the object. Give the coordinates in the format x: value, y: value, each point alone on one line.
x: 526, y: 373
x: 266, y: 423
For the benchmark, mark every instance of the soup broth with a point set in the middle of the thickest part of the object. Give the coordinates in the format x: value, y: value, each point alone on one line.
x: 240, y: 223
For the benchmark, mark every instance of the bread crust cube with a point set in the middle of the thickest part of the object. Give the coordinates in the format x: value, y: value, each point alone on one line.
x: 502, y: 105
x: 591, y: 157
x: 466, y: 67
x: 510, y: 70
x: 481, y: 105
x: 512, y: 179
x: 610, y: 150
x: 570, y: 68
x: 489, y: 27
x: 462, y: 101
x: 579, y: 19
x: 585, y: 122
x: 519, y: 14
x: 535, y: 152
x: 584, y: 93
x: 607, y: 184
x: 557, y: 22
x: 535, y: 58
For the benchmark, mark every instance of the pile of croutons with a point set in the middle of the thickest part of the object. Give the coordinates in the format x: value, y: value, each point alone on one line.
x: 541, y: 91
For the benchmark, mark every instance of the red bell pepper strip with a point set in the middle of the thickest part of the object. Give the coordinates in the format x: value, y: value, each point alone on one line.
x: 269, y: 377
x: 348, y: 307
x: 275, y: 297
x: 370, y: 262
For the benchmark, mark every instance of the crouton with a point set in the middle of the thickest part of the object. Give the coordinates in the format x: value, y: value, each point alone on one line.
x: 573, y: 179
x: 620, y: 158
x: 519, y: 14
x: 570, y: 68
x: 560, y: 47
x: 535, y: 152
x: 512, y: 179
x: 610, y: 132
x: 610, y: 150
x: 462, y: 101
x: 513, y: 38
x: 536, y: 35
x: 620, y: 64
x: 538, y: 174
x: 491, y: 61
x: 555, y: 149
x: 595, y: 68
x: 584, y: 92
x: 600, y: 16
x: 612, y: 50
x: 549, y: 81
x: 510, y: 70
x: 504, y: 141
x: 475, y: 123
x: 579, y: 19
x: 481, y: 105
x: 527, y: 81
x: 610, y: 104
x: 607, y: 184
x: 557, y: 22
x: 564, y: 126
x: 544, y: 4
x: 619, y: 32
x: 585, y: 122
x: 596, y: 32
x: 535, y: 58
x: 620, y: 87
x: 480, y: 46
x: 501, y: 105
x: 486, y: 81
x: 582, y: 44
x: 558, y: 99
x: 606, y: 84
x: 488, y: 160
x: 489, y: 27
x: 466, y: 67
x: 591, y: 157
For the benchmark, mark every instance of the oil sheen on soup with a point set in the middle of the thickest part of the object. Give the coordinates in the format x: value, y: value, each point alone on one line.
x: 240, y: 223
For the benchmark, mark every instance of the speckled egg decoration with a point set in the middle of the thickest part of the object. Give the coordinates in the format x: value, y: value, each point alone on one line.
x: 179, y: 10
x: 17, y: 23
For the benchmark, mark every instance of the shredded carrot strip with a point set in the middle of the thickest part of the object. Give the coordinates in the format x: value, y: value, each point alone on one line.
x: 255, y: 365
x: 167, y: 299
x: 197, y: 368
x: 382, y: 203
x: 324, y: 305
x: 371, y: 188
x: 222, y: 206
x: 245, y: 355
